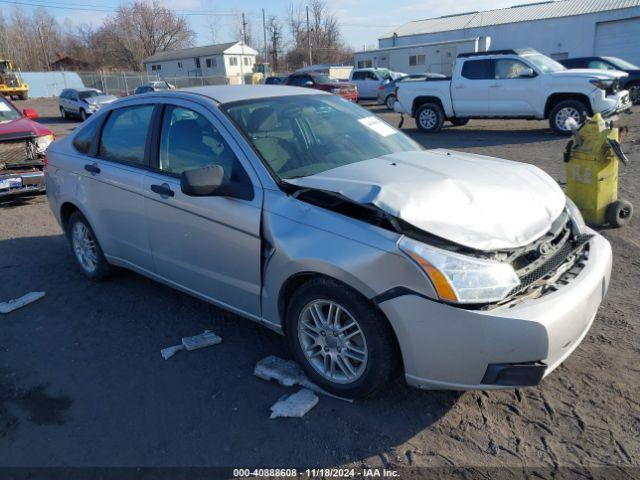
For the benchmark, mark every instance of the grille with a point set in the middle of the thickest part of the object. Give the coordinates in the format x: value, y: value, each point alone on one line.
x: 16, y: 151
x: 549, y: 266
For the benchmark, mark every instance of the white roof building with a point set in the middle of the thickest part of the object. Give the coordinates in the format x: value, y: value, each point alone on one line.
x: 232, y: 60
x: 561, y: 29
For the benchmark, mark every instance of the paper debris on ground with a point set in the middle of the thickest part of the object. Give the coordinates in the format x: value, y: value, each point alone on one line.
x: 11, y: 305
x: 295, y: 405
x: 287, y: 373
x: 169, y: 352
x: 205, y: 339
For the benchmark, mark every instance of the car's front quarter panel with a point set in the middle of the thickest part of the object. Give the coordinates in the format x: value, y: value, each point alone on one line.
x: 61, y: 178
x: 307, y: 239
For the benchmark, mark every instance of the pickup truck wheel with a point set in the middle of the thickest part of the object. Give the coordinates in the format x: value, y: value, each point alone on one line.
x: 63, y: 113
x: 565, y: 110
x: 83, y: 115
x: 429, y: 117
x: 343, y: 343
x: 459, y: 122
x: 86, y: 249
x: 634, y: 93
x: 390, y: 101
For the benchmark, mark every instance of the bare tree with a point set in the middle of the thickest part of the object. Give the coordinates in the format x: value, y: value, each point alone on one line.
x: 140, y: 30
x: 274, y: 39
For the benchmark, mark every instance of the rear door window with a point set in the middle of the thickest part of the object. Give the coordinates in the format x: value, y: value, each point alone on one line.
x: 87, y: 137
x: 477, y: 69
x: 124, y: 135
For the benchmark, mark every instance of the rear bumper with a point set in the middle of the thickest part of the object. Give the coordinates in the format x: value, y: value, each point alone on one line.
x: 21, y: 182
x: 444, y: 347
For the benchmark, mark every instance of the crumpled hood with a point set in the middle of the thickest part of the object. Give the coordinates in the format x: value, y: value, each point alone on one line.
x: 481, y: 202
x: 591, y: 73
x: 101, y: 99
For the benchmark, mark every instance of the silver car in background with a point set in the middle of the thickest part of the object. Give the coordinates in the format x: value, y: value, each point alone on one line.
x: 82, y: 102
x: 308, y: 214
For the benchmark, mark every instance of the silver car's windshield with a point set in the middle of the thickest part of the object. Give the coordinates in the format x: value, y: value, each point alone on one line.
x: 544, y: 63
x: 89, y: 93
x: 301, y: 135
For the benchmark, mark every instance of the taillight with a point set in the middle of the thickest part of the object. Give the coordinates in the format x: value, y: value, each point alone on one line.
x: 381, y: 88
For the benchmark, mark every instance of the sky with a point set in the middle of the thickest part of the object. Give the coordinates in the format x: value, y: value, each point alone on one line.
x: 362, y: 23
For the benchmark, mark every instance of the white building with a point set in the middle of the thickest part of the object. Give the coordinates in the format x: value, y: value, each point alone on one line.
x: 232, y: 60
x: 560, y: 29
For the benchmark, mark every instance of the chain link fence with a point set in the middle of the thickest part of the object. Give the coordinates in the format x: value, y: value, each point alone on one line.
x: 122, y: 84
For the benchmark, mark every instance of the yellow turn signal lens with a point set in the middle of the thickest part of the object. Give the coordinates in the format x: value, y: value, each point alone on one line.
x: 440, y: 283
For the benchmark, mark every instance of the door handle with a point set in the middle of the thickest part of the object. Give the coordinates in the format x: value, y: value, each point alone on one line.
x: 92, y: 168
x: 162, y: 190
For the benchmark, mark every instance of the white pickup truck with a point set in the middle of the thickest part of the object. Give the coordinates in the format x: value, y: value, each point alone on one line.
x: 512, y: 84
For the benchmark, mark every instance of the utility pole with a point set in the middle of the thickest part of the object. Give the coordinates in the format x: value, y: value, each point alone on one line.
x: 244, y: 41
x: 309, y: 37
x: 45, y: 54
x: 264, y: 34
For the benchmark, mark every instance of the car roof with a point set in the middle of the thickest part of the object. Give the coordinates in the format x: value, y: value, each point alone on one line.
x: 85, y: 89
x: 234, y: 93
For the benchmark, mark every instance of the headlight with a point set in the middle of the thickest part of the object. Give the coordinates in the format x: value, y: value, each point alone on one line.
x: 43, y: 142
x: 93, y: 106
x: 460, y: 278
x: 576, y: 217
x: 602, y: 84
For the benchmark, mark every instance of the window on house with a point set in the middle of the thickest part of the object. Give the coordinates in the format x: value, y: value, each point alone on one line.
x: 246, y: 61
x: 211, y: 63
x: 197, y: 62
x: 233, y: 61
x: 417, y: 60
x: 156, y: 67
x: 179, y: 64
x: 365, y: 64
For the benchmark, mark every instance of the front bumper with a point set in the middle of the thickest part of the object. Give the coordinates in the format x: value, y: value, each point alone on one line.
x: 21, y: 182
x: 445, y: 347
x: 608, y: 105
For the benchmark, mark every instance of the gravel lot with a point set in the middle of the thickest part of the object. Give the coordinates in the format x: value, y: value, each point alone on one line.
x: 82, y: 382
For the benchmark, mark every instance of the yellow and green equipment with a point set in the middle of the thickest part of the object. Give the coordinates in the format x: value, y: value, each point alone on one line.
x: 592, y: 157
x: 11, y: 83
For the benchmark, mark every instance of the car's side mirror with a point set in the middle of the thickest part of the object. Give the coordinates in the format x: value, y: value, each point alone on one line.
x: 308, y: 83
x: 210, y: 181
x: 31, y: 113
x: 526, y: 73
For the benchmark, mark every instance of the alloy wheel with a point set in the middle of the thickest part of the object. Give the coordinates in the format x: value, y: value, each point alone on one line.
x: 84, y: 247
x: 428, y: 119
x: 332, y: 341
x: 565, y: 114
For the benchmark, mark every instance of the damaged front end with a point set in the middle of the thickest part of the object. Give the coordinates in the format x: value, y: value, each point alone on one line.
x: 22, y: 162
x: 510, y: 276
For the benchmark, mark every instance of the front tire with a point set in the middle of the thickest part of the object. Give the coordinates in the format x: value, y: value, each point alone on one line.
x: 83, y: 115
x: 86, y: 249
x: 63, y: 113
x: 634, y: 93
x: 343, y: 343
x: 429, y: 117
x: 564, y: 110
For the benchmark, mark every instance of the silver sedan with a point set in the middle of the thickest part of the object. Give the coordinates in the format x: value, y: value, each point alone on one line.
x: 308, y: 214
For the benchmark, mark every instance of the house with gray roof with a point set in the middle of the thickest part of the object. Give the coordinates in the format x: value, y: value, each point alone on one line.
x: 232, y: 60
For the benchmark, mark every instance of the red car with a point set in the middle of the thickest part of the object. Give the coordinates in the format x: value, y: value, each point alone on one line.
x: 320, y: 81
x: 23, y: 143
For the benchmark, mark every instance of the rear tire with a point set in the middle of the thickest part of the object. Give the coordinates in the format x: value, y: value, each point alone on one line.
x: 352, y: 356
x: 429, y: 117
x: 390, y: 101
x: 564, y: 110
x: 86, y: 249
x: 619, y: 213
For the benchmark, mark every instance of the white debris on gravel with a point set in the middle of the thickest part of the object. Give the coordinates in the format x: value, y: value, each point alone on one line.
x: 295, y: 405
x: 203, y: 340
x: 11, y: 305
x: 287, y: 373
x: 169, y: 352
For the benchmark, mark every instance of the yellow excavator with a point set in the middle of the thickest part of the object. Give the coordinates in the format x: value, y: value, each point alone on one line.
x: 11, y: 83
